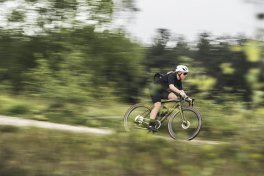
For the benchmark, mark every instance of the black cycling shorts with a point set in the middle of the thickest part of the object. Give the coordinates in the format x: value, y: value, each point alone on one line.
x: 159, y: 94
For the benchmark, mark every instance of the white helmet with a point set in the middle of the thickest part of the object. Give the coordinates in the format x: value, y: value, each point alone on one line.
x: 182, y: 68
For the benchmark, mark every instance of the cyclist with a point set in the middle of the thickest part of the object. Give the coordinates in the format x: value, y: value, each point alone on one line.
x: 170, y: 87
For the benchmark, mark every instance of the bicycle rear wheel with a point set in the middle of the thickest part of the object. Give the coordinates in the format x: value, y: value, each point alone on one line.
x: 185, y: 130
x: 137, y: 117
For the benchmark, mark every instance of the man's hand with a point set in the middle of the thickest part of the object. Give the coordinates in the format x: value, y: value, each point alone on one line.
x: 188, y: 99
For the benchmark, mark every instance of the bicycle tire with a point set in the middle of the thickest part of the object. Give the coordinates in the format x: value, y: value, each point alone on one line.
x: 193, y: 127
x: 130, y: 118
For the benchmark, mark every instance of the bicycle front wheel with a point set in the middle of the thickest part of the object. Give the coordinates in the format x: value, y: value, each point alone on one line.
x: 137, y: 117
x: 185, y: 130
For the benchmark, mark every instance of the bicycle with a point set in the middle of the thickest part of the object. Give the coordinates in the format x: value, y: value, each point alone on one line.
x: 185, y: 123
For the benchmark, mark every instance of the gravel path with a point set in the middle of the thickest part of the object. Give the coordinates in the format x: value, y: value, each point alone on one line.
x: 14, y: 121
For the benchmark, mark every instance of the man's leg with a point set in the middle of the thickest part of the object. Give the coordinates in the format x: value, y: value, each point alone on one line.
x: 155, y: 111
x: 153, y: 114
x: 172, y: 96
x: 156, y: 99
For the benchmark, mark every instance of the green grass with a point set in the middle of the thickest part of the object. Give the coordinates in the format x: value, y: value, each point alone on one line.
x: 220, y: 121
x: 95, y: 114
x: 37, y: 152
x: 32, y: 152
x: 22, y: 106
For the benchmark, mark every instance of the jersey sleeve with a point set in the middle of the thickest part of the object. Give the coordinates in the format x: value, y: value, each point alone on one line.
x: 171, y: 79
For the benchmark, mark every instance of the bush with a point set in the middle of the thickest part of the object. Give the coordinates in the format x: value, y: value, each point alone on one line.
x: 18, y: 109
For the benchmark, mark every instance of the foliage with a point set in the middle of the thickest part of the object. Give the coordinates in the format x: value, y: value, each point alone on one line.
x: 68, y: 66
x: 73, y: 64
x: 36, y: 17
x: 218, y: 66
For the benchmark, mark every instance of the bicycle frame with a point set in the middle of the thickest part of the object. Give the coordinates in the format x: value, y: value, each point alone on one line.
x: 177, y: 105
x: 160, y: 119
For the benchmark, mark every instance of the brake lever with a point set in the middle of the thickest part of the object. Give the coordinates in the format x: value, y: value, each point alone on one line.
x: 192, y: 102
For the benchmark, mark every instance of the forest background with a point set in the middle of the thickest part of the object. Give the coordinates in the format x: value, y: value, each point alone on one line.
x: 56, y: 68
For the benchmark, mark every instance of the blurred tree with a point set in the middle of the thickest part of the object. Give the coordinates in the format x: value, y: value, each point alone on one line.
x: 38, y: 17
x: 16, y: 16
x: 71, y: 58
x: 100, y: 64
x: 227, y: 67
x: 158, y: 55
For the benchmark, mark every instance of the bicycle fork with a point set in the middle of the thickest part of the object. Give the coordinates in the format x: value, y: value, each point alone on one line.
x: 185, y: 123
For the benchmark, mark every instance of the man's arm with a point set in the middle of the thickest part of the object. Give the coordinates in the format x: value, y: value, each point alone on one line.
x: 180, y: 92
x: 177, y: 91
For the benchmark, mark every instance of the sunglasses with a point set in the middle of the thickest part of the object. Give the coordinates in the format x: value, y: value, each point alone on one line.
x: 185, y: 74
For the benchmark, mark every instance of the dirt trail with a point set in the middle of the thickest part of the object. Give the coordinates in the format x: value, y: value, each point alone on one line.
x: 14, y: 121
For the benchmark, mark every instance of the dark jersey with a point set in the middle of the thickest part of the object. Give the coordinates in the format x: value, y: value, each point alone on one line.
x: 171, y: 78
x: 162, y: 92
